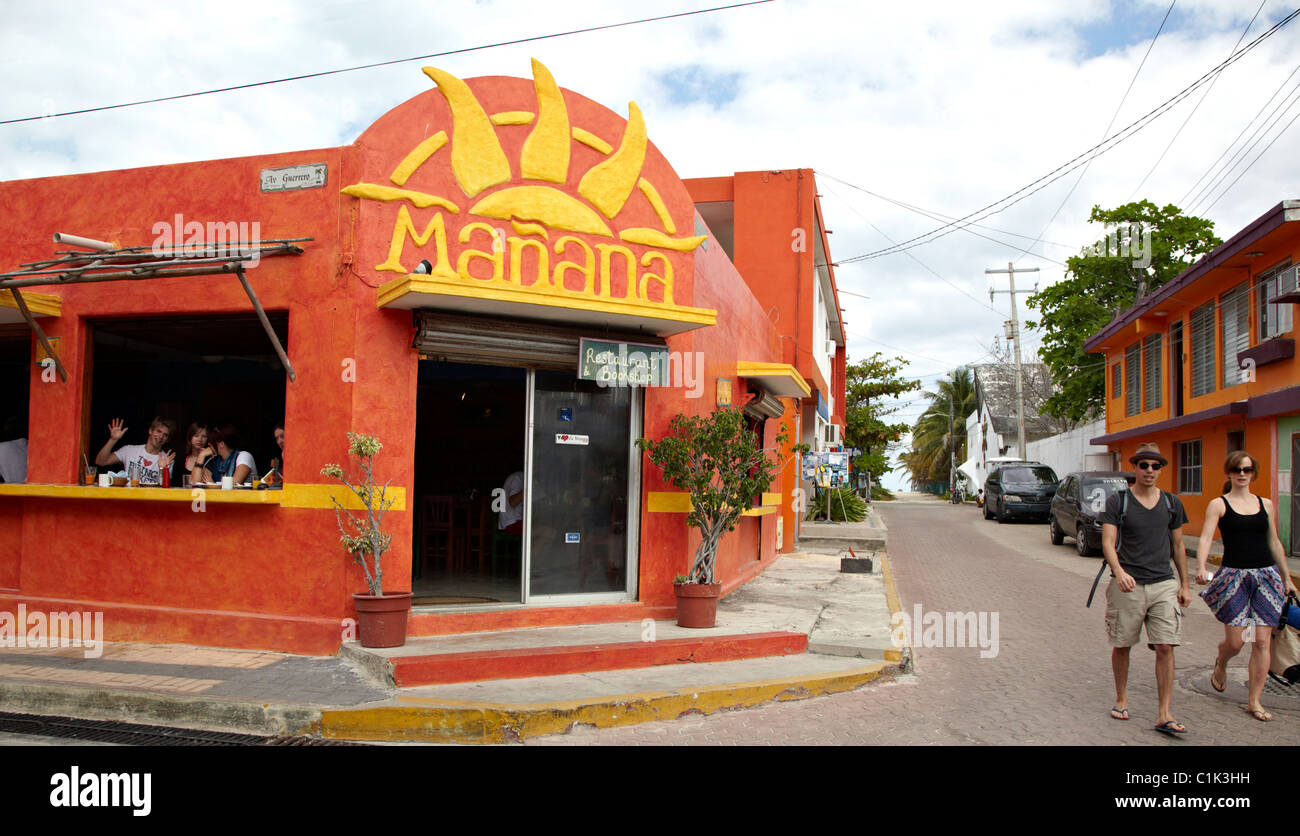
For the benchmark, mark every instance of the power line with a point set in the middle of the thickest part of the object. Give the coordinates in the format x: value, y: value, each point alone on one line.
x: 304, y: 76
x: 1065, y: 168
x: 1197, y: 107
x: 1255, y: 138
x: 1183, y: 200
x: 1252, y: 162
x: 1104, y: 134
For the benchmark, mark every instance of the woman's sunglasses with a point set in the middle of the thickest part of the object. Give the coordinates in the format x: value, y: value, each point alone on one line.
x: 1246, y: 470
x: 1150, y: 465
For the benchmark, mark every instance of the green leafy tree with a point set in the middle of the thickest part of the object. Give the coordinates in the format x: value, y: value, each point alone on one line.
x: 1106, y: 278
x: 940, y: 433
x: 869, y: 387
x: 722, y: 465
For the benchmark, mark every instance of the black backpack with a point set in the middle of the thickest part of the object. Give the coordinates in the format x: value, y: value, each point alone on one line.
x: 1123, y: 510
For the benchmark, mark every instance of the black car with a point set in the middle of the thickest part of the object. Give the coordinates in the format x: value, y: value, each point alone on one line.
x: 1019, y: 489
x: 1078, y: 505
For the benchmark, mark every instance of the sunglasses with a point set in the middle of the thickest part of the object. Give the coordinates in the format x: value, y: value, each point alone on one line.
x: 1246, y: 470
x: 1149, y: 465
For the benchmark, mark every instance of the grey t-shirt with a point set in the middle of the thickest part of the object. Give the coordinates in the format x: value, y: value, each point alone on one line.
x: 1143, y: 542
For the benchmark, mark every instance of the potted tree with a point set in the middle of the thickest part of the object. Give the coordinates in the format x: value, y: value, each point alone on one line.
x: 723, y: 466
x: 381, y: 615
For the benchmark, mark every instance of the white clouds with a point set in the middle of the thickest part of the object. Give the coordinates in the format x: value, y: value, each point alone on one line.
x: 948, y: 106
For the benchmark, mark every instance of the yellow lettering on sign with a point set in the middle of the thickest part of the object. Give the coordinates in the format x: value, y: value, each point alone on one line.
x: 587, y: 270
x: 496, y: 257
x: 607, y: 252
x: 543, y: 279
x: 665, y: 281
x: 406, y: 228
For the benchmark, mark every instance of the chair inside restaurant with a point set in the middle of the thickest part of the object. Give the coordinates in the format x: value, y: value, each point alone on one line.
x: 469, y: 439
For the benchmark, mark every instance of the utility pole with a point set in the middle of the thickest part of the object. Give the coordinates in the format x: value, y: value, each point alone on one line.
x: 952, y: 451
x: 1015, y: 334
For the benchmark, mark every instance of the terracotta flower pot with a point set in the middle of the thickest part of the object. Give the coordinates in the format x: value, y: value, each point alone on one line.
x: 381, y: 619
x: 697, y: 604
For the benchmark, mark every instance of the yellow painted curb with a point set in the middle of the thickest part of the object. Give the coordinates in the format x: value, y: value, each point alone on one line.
x: 895, y: 607
x: 451, y: 721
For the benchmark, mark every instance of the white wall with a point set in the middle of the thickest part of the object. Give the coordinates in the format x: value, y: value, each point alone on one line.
x: 1071, y: 451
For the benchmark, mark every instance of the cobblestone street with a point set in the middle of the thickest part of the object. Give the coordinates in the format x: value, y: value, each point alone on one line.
x: 1050, y: 682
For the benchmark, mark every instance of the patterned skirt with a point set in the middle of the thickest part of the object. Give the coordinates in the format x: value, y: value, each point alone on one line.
x: 1238, y: 597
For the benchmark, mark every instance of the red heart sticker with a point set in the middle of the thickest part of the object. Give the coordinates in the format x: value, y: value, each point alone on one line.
x: 564, y: 438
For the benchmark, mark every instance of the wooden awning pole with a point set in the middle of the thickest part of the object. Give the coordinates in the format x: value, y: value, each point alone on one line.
x: 40, y: 335
x: 266, y: 323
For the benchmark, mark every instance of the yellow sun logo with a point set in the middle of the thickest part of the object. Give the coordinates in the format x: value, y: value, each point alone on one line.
x: 480, y: 164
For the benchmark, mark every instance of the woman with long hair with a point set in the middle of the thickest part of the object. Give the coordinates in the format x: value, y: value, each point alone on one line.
x: 196, y: 438
x: 1252, y: 583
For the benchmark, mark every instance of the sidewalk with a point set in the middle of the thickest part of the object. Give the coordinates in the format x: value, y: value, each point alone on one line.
x: 800, y: 630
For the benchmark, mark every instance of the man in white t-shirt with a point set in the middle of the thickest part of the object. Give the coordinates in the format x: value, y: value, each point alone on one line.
x: 511, y: 518
x: 149, y: 458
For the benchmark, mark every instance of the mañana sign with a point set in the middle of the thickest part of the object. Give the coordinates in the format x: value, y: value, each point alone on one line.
x: 623, y: 364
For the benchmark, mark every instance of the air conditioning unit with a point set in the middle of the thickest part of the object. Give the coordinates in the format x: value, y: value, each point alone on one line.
x: 830, y: 347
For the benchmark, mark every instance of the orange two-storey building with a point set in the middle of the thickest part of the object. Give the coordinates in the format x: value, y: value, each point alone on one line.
x: 453, y: 279
x: 1206, y: 365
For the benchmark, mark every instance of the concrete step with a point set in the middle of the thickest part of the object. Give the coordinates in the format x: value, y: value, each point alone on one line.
x: 550, y: 651
x: 823, y: 544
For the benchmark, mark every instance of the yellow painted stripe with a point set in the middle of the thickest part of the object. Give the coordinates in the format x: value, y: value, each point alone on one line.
x: 771, y: 499
x: 318, y: 496
x: 512, y: 117
x: 416, y: 158
x: 468, y: 722
x: 292, y: 496
x: 782, y: 370
x: 670, y: 502
x: 592, y: 141
x: 142, y: 494
x: 394, y: 290
x: 40, y: 304
x: 760, y: 512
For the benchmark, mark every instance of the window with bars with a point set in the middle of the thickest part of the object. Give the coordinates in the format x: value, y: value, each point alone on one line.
x: 1203, y: 349
x: 1234, y: 309
x: 1151, y: 372
x: 1133, y: 379
x: 1189, y: 466
x: 1274, y: 320
x: 1116, y: 380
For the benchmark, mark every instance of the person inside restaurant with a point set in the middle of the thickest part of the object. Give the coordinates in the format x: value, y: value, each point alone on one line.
x: 148, y: 459
x: 222, y: 457
x: 13, y: 452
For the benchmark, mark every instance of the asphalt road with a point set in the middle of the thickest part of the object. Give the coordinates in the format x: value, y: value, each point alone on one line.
x: 1049, y: 682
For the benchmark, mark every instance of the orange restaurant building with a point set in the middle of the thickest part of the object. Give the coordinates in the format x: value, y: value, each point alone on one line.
x: 1206, y: 365
x: 450, y: 283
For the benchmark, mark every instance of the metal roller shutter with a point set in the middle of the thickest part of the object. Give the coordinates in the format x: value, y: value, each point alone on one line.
x: 495, y: 341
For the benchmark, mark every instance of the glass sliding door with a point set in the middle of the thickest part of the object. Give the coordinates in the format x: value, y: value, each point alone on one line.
x: 580, y: 523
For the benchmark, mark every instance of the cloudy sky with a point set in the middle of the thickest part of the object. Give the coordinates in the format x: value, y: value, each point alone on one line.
x: 907, y: 114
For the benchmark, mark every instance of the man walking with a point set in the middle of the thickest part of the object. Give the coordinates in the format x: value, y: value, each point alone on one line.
x: 1138, y: 536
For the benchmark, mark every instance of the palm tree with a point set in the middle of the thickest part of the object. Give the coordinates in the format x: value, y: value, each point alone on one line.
x: 940, y: 434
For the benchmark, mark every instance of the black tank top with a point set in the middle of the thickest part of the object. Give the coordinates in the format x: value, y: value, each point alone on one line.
x: 1245, y: 538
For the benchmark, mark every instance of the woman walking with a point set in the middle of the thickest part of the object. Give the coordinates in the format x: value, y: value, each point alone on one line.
x: 1252, y: 582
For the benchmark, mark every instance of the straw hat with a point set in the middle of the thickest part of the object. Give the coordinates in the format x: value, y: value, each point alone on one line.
x: 1148, y: 450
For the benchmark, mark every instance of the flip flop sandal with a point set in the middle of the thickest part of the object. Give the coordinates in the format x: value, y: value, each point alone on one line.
x: 1172, y: 727
x: 1216, y: 686
x: 1259, y: 714
x: 1116, y: 711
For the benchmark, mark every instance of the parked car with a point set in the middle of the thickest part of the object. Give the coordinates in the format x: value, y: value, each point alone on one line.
x: 1078, y: 505
x: 1019, y: 489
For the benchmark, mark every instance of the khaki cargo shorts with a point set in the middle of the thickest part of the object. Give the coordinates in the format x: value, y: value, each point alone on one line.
x: 1153, y: 604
